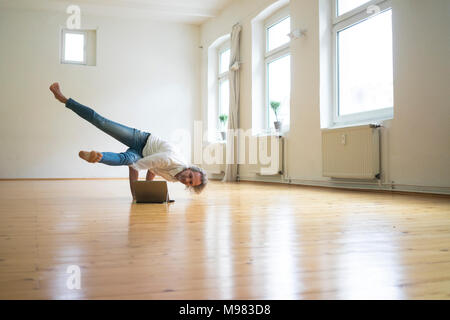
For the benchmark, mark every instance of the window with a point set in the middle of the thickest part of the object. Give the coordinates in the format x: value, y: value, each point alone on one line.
x: 344, y: 6
x: 363, y: 61
x: 278, y: 69
x: 224, y: 97
x: 218, y: 87
x: 224, y: 83
x: 278, y: 87
x: 277, y: 34
x: 224, y: 61
x: 73, y: 46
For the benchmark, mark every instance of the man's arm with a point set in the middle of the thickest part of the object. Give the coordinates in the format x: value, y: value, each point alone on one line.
x: 134, y: 176
x: 150, y: 176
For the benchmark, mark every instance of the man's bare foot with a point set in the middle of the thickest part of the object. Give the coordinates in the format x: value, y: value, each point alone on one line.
x: 54, y: 88
x: 92, y: 157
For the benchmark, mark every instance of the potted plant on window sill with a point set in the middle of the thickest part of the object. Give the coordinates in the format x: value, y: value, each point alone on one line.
x: 275, y: 105
x: 223, y: 118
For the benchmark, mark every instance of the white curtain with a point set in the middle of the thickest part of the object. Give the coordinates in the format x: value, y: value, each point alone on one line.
x: 233, y: 117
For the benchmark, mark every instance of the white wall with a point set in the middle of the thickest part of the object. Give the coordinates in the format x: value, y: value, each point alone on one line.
x: 415, y: 144
x: 147, y: 76
x: 419, y: 135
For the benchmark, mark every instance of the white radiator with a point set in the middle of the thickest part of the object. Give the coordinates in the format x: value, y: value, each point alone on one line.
x: 270, y: 155
x: 218, y: 151
x: 351, y: 152
x: 264, y: 155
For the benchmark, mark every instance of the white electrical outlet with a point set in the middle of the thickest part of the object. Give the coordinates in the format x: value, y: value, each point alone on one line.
x: 343, y: 139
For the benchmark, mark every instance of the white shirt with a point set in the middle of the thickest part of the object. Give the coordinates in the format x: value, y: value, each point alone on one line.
x: 160, y: 157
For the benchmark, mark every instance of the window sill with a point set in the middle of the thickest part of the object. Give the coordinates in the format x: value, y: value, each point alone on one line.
x: 339, y: 125
x: 265, y: 133
x: 215, y: 141
x: 261, y: 133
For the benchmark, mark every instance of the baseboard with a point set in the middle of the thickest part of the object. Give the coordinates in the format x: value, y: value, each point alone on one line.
x: 311, y: 183
x: 365, y: 185
x: 215, y: 176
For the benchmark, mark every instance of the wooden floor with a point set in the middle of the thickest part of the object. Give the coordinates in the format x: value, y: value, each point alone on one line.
x: 236, y: 241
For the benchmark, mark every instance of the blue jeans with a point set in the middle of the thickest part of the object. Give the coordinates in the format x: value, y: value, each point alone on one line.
x: 133, y: 138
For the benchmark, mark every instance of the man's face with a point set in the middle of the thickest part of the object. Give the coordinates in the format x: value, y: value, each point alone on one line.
x: 190, y: 178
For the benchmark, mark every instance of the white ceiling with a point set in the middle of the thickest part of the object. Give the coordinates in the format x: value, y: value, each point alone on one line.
x: 185, y: 11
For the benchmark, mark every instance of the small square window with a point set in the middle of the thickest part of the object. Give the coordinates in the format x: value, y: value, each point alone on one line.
x: 73, y: 46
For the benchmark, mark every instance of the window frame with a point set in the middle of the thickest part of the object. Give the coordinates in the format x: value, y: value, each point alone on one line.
x: 273, y: 55
x: 63, y: 45
x: 340, y: 23
x: 221, y: 77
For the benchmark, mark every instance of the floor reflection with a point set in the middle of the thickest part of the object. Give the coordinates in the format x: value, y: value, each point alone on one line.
x: 236, y: 241
x: 368, y: 261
